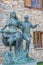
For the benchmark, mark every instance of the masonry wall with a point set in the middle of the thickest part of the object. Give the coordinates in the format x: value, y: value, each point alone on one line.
x: 35, y: 16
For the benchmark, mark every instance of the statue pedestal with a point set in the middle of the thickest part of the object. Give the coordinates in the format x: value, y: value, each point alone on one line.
x: 10, y: 59
x: 27, y: 62
x: 30, y: 63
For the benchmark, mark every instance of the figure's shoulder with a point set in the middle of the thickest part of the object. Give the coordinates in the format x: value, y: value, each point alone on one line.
x: 8, y: 20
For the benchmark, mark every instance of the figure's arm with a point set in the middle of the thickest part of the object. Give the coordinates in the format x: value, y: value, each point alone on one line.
x: 7, y: 24
x: 21, y: 25
x: 34, y: 26
x: 1, y: 30
x: 4, y: 27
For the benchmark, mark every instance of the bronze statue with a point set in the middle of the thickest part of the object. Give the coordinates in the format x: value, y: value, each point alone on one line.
x: 13, y: 37
x: 25, y: 27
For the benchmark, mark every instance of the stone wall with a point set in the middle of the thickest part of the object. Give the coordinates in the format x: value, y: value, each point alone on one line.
x: 35, y: 16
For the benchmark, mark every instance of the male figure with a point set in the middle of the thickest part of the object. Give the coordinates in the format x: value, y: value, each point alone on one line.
x: 25, y: 27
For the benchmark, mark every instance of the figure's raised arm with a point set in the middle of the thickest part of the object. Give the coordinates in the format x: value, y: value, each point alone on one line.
x: 34, y: 26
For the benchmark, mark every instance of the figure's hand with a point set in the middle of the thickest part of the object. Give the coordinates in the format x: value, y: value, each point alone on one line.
x: 37, y: 24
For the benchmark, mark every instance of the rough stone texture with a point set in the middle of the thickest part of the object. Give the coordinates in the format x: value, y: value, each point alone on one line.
x: 32, y: 63
x: 35, y: 16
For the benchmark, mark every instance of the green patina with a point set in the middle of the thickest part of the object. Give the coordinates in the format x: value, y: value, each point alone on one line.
x: 13, y: 37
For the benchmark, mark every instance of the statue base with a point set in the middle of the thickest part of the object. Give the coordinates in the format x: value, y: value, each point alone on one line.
x: 29, y: 63
x: 21, y: 62
x: 10, y: 59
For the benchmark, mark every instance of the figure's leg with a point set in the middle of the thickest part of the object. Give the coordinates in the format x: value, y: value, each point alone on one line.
x: 10, y: 47
x: 17, y: 45
x: 18, y: 41
x: 27, y: 46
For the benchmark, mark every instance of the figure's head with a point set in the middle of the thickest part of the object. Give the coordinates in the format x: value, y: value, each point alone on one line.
x: 26, y: 17
x: 13, y: 14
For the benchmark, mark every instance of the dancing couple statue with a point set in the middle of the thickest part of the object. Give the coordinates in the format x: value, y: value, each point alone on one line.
x: 13, y: 37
